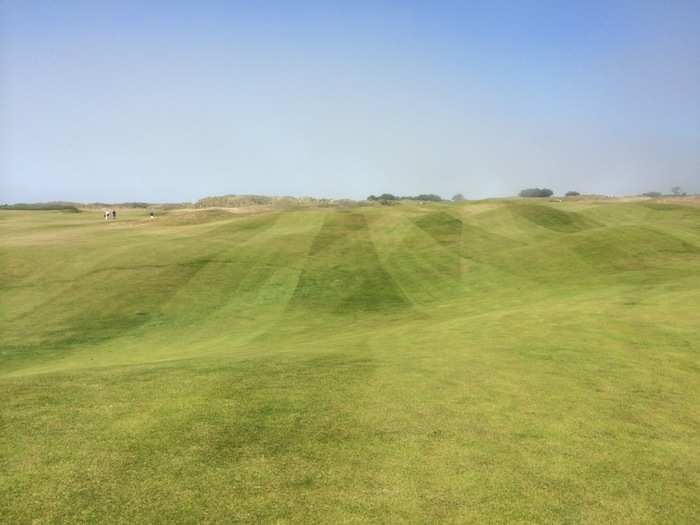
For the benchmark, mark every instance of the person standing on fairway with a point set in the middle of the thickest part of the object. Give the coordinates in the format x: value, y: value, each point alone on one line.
x: 114, y: 214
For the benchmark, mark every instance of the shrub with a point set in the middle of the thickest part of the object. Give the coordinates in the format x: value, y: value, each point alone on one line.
x: 536, y: 192
x: 426, y: 197
x: 677, y: 191
x: 388, y: 197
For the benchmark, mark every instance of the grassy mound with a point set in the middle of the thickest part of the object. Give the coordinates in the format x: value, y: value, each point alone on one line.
x: 552, y: 218
x: 443, y: 227
x: 494, y: 362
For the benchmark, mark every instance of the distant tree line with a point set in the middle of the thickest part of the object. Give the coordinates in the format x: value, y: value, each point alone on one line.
x: 120, y: 205
x: 390, y: 197
x: 45, y: 206
x: 676, y: 191
x: 78, y: 206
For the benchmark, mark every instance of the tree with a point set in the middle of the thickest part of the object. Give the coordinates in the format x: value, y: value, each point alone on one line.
x: 427, y: 197
x: 387, y: 197
x: 676, y: 190
x: 572, y: 194
x: 458, y: 197
x: 536, y: 192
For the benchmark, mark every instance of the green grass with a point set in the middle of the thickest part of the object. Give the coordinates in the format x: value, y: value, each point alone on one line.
x: 492, y: 362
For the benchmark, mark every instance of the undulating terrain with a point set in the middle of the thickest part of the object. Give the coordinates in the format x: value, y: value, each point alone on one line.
x: 492, y: 362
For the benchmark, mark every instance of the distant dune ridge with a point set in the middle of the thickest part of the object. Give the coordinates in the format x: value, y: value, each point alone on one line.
x: 240, y: 201
x: 247, y: 200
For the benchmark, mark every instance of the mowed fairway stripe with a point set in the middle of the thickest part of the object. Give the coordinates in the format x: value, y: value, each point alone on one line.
x: 238, y: 292
x: 354, y: 365
x: 343, y: 273
x: 423, y: 267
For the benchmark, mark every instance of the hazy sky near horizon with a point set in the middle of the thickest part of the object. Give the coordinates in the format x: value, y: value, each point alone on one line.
x: 173, y: 101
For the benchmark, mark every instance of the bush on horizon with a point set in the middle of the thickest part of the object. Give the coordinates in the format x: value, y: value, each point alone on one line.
x: 536, y: 192
x: 390, y: 197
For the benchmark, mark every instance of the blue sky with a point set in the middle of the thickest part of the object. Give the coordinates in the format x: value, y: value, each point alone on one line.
x: 173, y: 101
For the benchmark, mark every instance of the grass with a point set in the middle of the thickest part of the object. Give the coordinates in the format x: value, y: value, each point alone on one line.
x: 476, y: 363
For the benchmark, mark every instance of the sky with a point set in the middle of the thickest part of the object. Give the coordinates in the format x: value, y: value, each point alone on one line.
x: 174, y: 101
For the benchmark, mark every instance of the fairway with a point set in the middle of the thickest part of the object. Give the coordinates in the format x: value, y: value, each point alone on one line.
x: 502, y: 361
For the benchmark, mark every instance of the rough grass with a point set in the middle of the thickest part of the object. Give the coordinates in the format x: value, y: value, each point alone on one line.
x: 485, y: 363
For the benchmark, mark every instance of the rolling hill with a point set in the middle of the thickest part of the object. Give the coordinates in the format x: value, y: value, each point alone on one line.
x: 503, y: 361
